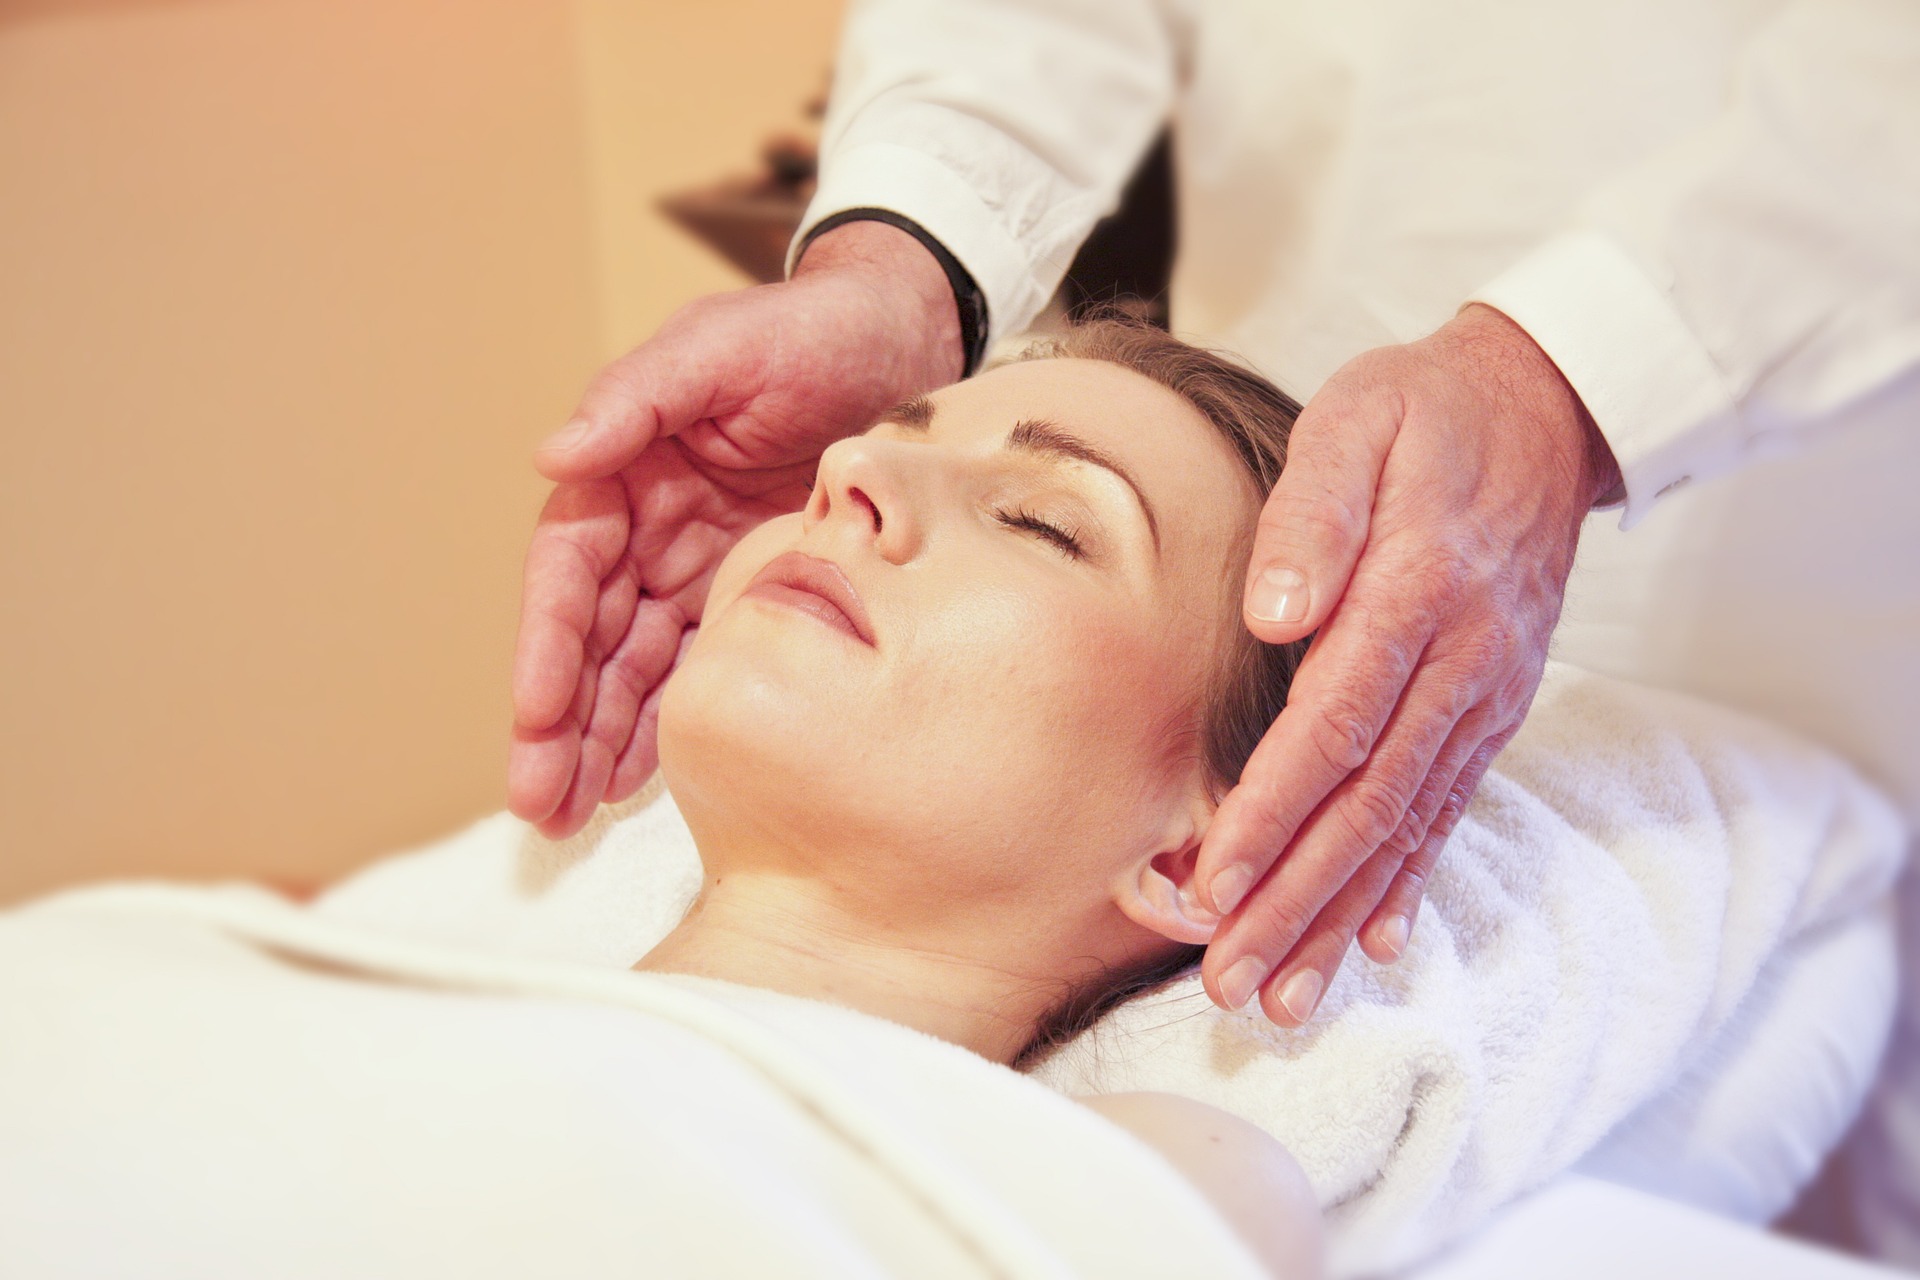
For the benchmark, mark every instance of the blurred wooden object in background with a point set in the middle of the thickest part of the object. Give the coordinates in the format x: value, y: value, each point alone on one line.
x: 741, y: 221
x: 750, y: 219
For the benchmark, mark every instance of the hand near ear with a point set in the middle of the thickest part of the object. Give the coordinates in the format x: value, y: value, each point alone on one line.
x: 1160, y: 894
x: 1424, y: 526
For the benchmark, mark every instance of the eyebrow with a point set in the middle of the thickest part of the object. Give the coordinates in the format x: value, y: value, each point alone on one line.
x: 1037, y: 436
x: 916, y: 414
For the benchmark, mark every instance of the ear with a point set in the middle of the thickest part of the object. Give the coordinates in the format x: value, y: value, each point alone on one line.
x: 1157, y: 893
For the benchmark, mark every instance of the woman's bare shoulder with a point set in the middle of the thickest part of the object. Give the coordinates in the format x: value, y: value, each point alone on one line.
x: 1254, y: 1181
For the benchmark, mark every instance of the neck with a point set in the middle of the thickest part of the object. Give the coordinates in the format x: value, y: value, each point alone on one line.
x: 786, y: 935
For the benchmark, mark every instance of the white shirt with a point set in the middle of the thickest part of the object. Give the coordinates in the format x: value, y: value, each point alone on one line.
x: 1707, y: 214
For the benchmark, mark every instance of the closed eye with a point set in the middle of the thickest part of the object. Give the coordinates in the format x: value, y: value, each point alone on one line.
x: 1064, y: 539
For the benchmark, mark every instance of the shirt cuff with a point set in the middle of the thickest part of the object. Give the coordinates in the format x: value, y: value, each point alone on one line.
x: 1653, y: 391
x: 907, y: 182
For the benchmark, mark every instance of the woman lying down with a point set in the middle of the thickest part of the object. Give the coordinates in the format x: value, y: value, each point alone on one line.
x: 947, y: 740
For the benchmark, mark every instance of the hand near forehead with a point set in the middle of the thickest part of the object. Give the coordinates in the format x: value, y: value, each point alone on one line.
x: 1424, y: 526
x: 678, y: 449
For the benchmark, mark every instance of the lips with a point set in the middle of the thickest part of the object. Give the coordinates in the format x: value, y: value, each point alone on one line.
x: 815, y: 586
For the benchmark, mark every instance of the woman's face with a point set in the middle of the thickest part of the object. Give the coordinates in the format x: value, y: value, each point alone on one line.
x: 1023, y: 720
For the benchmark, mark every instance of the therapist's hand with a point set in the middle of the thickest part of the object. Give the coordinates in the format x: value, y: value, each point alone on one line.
x: 678, y: 449
x: 1424, y: 526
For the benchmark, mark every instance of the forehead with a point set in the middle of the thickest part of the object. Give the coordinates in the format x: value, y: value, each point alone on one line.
x: 1187, y: 468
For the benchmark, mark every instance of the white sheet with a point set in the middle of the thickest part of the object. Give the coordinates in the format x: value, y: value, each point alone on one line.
x: 208, y: 1084
x: 1587, y: 1229
x: 1760, y: 1107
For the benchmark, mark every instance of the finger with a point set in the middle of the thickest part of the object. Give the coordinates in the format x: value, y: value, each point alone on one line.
x: 577, y: 542
x: 641, y: 757
x: 540, y: 768
x: 1292, y: 995
x: 1384, y: 937
x: 550, y: 758
x: 548, y: 810
x: 582, y: 797
x: 613, y: 696
x: 628, y: 677
x: 1315, y: 521
x: 658, y: 389
x: 613, y: 615
x: 1359, y: 818
x: 566, y: 821
x: 1389, y: 931
x: 1340, y: 701
x: 1391, y: 925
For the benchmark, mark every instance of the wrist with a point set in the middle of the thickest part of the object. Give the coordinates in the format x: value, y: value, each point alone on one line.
x: 1526, y: 370
x: 908, y: 283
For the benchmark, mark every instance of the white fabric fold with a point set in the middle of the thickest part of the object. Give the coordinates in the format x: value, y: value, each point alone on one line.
x: 218, y: 1083
x: 1638, y: 876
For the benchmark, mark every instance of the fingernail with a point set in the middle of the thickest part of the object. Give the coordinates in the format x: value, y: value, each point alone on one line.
x: 1229, y: 887
x: 1394, y: 934
x: 1238, y: 983
x: 1301, y: 994
x: 1279, y: 595
x: 566, y: 437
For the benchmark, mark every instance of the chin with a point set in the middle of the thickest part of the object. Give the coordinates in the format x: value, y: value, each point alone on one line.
x: 740, y: 732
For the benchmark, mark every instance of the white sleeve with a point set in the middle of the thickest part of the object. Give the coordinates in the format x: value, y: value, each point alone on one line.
x: 1005, y: 128
x: 1760, y: 279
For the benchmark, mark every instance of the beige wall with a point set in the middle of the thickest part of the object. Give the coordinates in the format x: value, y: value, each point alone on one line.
x: 288, y: 289
x: 677, y: 95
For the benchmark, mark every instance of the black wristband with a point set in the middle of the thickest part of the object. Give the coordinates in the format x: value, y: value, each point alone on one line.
x: 967, y: 297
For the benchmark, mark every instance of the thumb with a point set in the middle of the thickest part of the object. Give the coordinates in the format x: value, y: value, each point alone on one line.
x: 659, y: 388
x: 1315, y: 521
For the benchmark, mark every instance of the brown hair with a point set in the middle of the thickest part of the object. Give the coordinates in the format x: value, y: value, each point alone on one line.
x: 1249, y: 685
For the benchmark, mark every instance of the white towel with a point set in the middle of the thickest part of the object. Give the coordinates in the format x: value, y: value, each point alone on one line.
x: 1596, y: 928
x: 216, y: 1084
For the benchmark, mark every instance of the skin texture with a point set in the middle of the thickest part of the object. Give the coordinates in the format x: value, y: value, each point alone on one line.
x: 675, y: 452
x: 1011, y: 738
x: 1002, y: 796
x: 1255, y: 1182
x: 1431, y: 503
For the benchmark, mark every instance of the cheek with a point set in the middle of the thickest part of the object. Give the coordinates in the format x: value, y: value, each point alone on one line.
x: 752, y: 696
x: 1052, y: 699
x: 714, y: 640
x: 1008, y: 715
x: 1121, y: 685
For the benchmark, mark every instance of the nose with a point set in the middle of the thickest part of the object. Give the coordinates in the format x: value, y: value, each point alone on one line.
x: 867, y: 486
